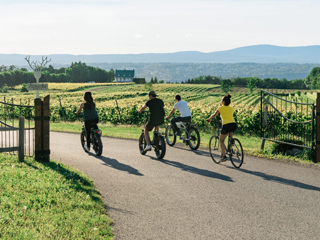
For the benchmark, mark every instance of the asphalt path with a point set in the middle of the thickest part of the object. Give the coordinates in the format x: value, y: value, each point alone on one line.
x: 187, y: 196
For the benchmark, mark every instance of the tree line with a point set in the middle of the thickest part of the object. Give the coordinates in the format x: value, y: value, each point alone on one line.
x: 78, y: 72
x: 251, y: 82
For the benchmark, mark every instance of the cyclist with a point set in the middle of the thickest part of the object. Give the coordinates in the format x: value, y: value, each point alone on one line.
x: 157, y: 114
x: 90, y: 115
x: 229, y: 125
x: 185, y: 113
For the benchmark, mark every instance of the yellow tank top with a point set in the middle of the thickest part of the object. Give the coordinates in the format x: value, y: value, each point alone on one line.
x: 226, y: 114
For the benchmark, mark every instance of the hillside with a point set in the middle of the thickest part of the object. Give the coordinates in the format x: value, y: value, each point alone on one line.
x: 256, y: 54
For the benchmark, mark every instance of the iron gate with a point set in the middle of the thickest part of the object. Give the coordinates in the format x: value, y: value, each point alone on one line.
x: 286, y: 121
x: 9, y: 115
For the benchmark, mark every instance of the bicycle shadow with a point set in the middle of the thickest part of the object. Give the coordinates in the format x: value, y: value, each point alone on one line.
x: 281, y: 180
x: 194, y: 170
x: 187, y: 148
x: 113, y: 163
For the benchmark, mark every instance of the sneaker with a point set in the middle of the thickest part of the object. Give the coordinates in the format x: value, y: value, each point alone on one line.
x: 148, y: 148
x: 86, y: 148
x: 223, y: 159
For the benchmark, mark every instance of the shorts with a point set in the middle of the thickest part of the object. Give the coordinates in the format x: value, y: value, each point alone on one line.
x: 230, y: 127
x: 151, y: 125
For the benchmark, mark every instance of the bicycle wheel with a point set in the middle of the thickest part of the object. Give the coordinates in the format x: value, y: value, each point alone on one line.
x: 170, y: 136
x: 83, y: 138
x: 160, y: 147
x: 97, y: 144
x: 236, y: 153
x: 214, y: 146
x: 194, y: 136
x: 142, y: 144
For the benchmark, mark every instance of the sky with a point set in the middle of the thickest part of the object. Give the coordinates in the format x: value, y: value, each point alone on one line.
x: 35, y: 27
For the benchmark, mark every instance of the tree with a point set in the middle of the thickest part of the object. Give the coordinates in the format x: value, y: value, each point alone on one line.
x: 24, y: 88
x: 313, y: 79
x: 78, y: 72
x: 148, y: 86
x: 155, y: 80
x: 251, y: 83
x: 226, y: 85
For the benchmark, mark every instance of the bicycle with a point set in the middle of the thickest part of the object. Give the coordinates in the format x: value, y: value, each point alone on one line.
x: 190, y: 134
x: 158, y: 142
x: 233, y: 149
x: 95, y: 140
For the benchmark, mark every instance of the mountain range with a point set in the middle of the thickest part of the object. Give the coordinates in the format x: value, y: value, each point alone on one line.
x: 252, y: 54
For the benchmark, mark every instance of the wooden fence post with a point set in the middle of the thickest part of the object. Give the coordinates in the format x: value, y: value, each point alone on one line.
x: 45, y: 129
x: 318, y: 129
x: 42, y: 131
x: 21, y: 139
x: 37, y: 129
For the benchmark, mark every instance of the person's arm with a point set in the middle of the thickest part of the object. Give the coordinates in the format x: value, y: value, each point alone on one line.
x: 213, y: 115
x: 170, y: 114
x: 142, y: 108
x: 80, y: 109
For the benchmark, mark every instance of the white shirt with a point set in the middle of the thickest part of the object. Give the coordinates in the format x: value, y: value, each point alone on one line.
x: 183, y: 108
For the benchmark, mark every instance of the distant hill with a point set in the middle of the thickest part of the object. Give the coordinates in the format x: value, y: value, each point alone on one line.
x: 253, y: 54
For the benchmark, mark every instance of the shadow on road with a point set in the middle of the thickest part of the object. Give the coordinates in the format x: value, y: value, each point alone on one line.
x: 197, y: 152
x: 110, y: 162
x: 281, y: 180
x: 202, y: 172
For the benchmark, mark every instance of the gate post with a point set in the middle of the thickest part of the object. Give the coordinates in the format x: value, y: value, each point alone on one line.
x: 21, y: 139
x: 45, y: 129
x: 42, y: 131
x: 318, y: 129
x: 37, y: 128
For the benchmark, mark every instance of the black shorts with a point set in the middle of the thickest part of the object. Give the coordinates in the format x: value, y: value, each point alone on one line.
x: 151, y: 125
x: 230, y: 127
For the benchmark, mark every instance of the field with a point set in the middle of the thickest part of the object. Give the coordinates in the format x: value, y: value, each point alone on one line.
x: 202, y: 99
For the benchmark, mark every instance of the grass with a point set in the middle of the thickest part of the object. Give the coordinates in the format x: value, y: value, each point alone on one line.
x: 250, y: 144
x: 49, y: 201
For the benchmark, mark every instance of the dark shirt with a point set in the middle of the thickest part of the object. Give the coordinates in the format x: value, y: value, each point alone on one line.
x: 157, y: 112
x: 90, y: 113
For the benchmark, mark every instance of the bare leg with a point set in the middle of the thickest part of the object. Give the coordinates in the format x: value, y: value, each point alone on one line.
x: 156, y: 128
x: 146, y: 135
x: 223, y: 147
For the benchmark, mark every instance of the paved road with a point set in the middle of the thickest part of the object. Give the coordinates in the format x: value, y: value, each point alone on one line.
x: 187, y: 196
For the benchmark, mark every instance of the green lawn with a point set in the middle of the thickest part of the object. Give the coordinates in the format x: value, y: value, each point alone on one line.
x: 250, y: 144
x: 49, y: 201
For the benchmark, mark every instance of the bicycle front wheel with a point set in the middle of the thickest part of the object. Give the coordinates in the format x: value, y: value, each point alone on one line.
x: 214, y: 146
x: 83, y: 139
x: 160, y: 147
x: 194, y: 136
x: 97, y: 144
x: 142, y: 144
x: 170, y: 136
x: 236, y: 153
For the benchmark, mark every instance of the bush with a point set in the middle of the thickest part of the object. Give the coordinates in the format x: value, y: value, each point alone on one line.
x: 24, y: 88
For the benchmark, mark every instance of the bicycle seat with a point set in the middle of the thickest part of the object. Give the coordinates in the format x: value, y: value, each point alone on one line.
x: 186, y: 121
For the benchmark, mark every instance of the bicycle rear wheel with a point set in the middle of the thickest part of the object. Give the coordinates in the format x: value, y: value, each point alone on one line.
x: 194, y: 136
x: 97, y: 144
x: 214, y: 146
x: 142, y: 144
x: 236, y: 153
x: 83, y: 138
x: 160, y: 147
x: 170, y: 136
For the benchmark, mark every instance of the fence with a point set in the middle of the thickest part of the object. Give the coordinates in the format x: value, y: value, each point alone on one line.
x: 286, y: 121
x: 10, y: 112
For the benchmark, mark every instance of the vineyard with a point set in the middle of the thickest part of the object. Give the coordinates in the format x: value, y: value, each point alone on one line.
x: 203, y: 100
